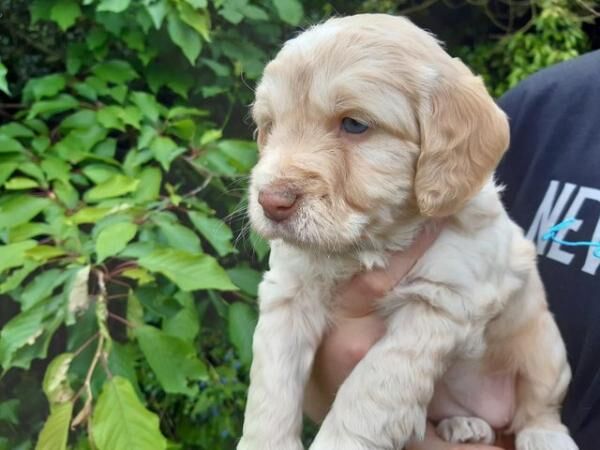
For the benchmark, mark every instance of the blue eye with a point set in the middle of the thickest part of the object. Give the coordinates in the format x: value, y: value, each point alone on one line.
x: 352, y: 126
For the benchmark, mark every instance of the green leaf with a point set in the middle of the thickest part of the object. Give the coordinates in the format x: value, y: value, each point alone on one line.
x: 184, y: 324
x: 3, y: 83
x: 115, y: 6
x: 179, y: 237
x: 41, y: 287
x: 55, y: 432
x: 20, y: 208
x: 120, y: 421
x: 214, y: 230
x: 65, y: 13
x: 115, y: 186
x: 290, y: 11
x: 44, y: 252
x: 138, y: 274
x: 8, y: 144
x: 112, y: 239
x: 157, y: 11
x: 241, y: 323
x: 15, y: 130
x: 165, y: 150
x: 185, y: 37
x: 8, y: 411
x: 147, y: 105
x: 56, y: 384
x: 190, y: 272
x: 80, y: 119
x: 48, y: 108
x: 99, y: 173
x: 115, y: 71
x: 43, y: 87
x: 20, y: 183
x: 21, y: 330
x: 198, y: 20
x: 13, y: 255
x: 164, y: 352
x: 149, y: 187
x: 246, y: 279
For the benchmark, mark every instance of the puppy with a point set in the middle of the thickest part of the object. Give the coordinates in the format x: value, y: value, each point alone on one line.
x: 371, y: 135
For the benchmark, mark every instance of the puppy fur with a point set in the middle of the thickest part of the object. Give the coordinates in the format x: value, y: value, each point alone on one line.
x: 434, y: 139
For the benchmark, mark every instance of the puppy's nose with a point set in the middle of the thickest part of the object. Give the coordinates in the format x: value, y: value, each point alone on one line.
x: 278, y: 204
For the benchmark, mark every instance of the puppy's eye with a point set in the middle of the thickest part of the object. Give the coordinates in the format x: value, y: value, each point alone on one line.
x: 353, y: 126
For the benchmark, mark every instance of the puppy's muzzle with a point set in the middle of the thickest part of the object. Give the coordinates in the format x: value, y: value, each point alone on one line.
x: 278, y: 203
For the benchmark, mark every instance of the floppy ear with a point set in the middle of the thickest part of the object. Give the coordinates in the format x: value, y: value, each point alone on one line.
x: 463, y: 136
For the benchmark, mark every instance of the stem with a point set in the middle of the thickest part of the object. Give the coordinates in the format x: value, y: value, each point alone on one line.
x: 85, y: 345
x: 121, y: 319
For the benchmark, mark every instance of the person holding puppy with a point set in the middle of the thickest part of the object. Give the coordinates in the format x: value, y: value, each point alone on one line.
x: 551, y: 174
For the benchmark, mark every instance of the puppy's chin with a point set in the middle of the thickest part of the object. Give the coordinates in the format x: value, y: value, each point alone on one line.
x: 310, y: 230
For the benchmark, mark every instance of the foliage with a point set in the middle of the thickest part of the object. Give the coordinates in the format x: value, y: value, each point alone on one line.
x: 126, y: 308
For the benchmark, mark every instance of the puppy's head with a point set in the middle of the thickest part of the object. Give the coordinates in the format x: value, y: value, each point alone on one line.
x: 365, y: 123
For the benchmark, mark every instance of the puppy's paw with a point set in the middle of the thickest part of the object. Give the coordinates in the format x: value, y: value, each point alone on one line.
x: 540, y: 439
x: 461, y: 430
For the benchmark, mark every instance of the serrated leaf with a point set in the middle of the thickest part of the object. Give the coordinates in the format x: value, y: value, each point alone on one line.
x: 115, y: 6
x: 185, y: 37
x: 114, y: 238
x: 214, y: 230
x: 65, y: 13
x: 190, y: 272
x: 157, y: 11
x: 121, y: 422
x: 290, y: 11
x: 55, y: 432
x: 56, y: 384
x: 115, y: 186
x: 140, y: 275
x: 163, y: 352
x: 241, y: 323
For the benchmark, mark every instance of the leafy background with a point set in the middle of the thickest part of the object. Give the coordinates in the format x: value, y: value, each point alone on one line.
x: 128, y: 272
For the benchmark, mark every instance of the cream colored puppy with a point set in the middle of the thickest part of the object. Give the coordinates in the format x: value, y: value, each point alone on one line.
x: 370, y: 133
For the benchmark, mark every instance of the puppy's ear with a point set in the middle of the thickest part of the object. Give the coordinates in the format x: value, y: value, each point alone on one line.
x: 463, y: 136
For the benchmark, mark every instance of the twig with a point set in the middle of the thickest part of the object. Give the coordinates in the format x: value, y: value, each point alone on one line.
x: 120, y: 319
x: 85, y: 345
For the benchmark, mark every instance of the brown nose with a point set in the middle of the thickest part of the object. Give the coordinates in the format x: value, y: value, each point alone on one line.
x: 278, y: 205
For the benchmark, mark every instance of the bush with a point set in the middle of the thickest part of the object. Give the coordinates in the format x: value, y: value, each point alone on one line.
x: 127, y: 304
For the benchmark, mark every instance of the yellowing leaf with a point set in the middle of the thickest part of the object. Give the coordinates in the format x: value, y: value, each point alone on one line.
x: 56, y: 384
x: 79, y: 298
x: 55, y: 432
x: 121, y: 422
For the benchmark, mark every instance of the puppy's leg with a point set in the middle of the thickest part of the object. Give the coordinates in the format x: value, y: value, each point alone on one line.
x: 543, y: 378
x: 382, y: 404
x: 528, y: 341
x: 461, y: 430
x: 288, y: 332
